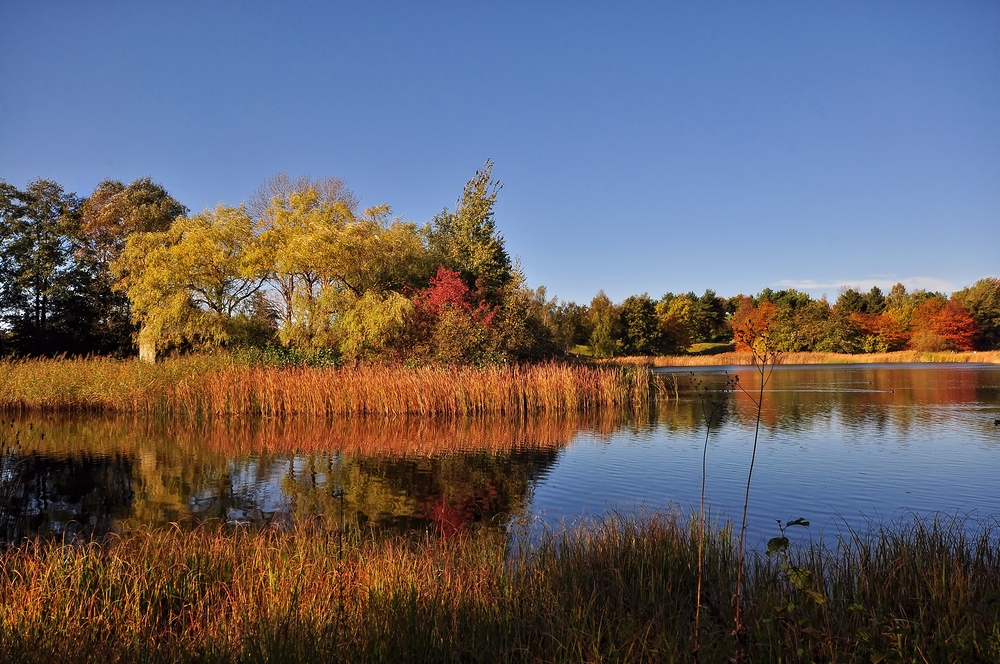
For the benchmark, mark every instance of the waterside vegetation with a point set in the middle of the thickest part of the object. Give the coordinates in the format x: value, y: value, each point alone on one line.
x: 301, y: 269
x: 745, y: 358
x: 204, y: 385
x: 622, y: 588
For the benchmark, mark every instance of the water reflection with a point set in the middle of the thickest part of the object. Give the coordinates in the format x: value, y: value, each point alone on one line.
x: 902, y: 398
x: 89, y: 475
x: 64, y: 496
x: 835, y: 442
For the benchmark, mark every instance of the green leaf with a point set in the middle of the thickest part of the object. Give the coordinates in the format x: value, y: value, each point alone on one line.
x: 817, y: 596
x: 777, y: 545
x: 797, y: 522
x: 800, y: 577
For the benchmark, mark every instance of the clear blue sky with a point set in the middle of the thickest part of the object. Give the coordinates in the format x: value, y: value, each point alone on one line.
x: 643, y: 147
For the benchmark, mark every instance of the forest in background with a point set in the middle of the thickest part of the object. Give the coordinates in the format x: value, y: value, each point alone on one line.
x: 300, y: 272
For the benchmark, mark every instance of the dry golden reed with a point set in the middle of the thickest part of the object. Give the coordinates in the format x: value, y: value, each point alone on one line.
x: 621, y: 589
x: 217, y: 385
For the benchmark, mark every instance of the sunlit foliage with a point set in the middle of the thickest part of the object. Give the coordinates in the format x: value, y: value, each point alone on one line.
x: 301, y: 269
x: 188, y: 283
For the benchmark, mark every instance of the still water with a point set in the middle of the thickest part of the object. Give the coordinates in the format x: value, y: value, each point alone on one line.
x: 837, y: 446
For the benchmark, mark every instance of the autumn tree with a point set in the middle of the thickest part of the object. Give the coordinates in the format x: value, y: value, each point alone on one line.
x: 112, y: 213
x: 343, y: 277
x: 982, y: 301
x: 448, y: 326
x: 115, y: 210
x: 292, y: 212
x: 678, y: 322
x: 879, y: 333
x: 940, y: 324
x: 752, y: 326
x: 188, y: 283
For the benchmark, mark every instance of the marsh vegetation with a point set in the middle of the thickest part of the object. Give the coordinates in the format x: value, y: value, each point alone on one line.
x: 622, y: 588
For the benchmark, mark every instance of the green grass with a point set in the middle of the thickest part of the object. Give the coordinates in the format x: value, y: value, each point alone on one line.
x: 710, y: 348
x: 620, y: 589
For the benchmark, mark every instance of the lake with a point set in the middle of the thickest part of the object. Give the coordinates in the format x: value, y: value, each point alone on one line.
x: 838, y: 446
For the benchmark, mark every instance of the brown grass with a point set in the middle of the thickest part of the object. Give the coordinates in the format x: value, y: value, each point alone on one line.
x: 746, y: 358
x: 621, y: 589
x: 217, y: 385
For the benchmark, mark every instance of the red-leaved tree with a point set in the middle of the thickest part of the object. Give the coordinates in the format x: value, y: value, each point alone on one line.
x: 883, y: 333
x: 448, y: 324
x: 942, y: 325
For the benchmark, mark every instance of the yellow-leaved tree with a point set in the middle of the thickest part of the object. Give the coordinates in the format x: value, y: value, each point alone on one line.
x: 188, y: 283
x: 341, y: 277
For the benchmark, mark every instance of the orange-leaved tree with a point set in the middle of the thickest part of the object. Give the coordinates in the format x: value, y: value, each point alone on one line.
x: 752, y: 325
x: 882, y: 333
x: 938, y: 325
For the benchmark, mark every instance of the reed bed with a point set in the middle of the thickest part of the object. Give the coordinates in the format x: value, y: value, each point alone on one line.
x: 746, y: 358
x: 619, y: 589
x: 218, y: 385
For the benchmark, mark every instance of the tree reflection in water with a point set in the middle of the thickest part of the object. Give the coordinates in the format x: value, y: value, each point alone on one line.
x: 64, y: 496
x: 89, y: 475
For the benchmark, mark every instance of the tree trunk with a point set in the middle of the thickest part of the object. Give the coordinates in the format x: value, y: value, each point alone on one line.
x: 147, y: 347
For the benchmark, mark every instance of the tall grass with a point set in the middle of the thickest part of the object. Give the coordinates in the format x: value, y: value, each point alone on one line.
x: 218, y: 385
x: 746, y: 358
x: 620, y: 589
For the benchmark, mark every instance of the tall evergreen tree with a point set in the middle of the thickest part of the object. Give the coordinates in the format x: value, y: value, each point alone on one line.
x: 467, y: 239
x: 43, y: 288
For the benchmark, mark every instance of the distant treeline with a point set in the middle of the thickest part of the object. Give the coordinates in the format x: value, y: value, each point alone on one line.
x: 790, y: 321
x: 300, y: 272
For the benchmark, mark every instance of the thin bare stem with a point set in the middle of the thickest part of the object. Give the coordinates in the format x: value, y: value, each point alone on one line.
x: 710, y: 409
x: 764, y: 360
x: 701, y: 530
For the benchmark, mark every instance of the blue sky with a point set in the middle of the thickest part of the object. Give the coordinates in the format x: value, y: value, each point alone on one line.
x: 643, y: 147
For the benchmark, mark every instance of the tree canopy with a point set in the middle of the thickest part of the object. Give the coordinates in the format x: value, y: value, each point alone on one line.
x: 303, y: 268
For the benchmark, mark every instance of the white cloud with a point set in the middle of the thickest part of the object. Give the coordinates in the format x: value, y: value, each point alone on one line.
x: 884, y: 282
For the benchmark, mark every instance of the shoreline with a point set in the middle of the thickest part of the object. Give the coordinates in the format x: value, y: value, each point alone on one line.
x: 812, y: 358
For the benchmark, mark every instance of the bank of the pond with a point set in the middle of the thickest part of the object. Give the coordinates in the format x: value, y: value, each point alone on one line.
x: 220, y: 385
x: 746, y: 358
x: 622, y: 589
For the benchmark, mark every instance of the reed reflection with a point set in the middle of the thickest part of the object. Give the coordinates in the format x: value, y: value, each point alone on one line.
x: 88, y: 475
